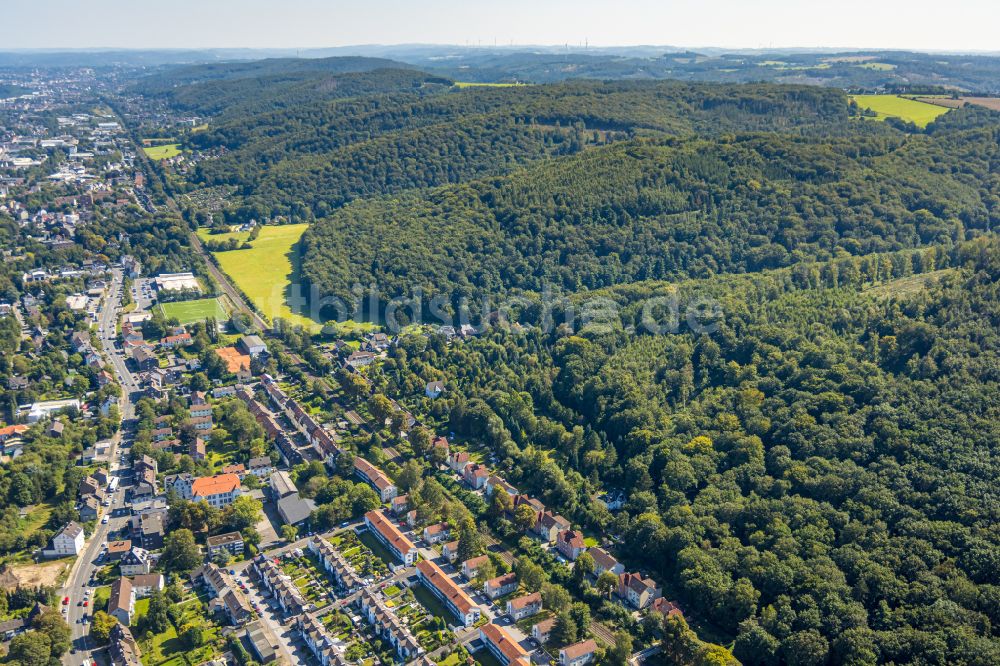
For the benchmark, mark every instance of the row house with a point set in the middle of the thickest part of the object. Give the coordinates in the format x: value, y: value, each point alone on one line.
x: 387, y: 624
x: 334, y: 563
x: 383, y: 530
x: 444, y: 588
x: 319, y: 641
x: 226, y: 598
x: 280, y: 585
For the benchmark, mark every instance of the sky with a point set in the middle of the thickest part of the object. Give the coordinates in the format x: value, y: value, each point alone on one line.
x: 956, y: 25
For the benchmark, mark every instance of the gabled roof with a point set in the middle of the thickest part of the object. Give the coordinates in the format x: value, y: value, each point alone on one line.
x: 215, y: 485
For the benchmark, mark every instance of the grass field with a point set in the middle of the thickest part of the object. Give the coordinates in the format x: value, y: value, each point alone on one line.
x: 189, y: 312
x: 267, y: 270
x: 894, y: 106
x: 162, y: 152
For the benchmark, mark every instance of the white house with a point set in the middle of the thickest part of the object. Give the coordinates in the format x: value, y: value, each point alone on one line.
x: 68, y: 541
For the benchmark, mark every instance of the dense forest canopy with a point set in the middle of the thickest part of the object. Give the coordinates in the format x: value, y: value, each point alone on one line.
x: 308, y: 160
x: 665, y: 209
x: 814, y: 478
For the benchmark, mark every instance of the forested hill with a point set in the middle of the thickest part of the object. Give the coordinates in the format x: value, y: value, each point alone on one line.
x: 240, y: 91
x: 667, y: 209
x: 177, y: 77
x: 817, y: 476
x: 306, y: 161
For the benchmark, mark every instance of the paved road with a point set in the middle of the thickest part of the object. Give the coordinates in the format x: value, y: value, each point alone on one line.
x: 76, y: 586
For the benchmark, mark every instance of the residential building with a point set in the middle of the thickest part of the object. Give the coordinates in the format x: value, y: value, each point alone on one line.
x: 197, y: 449
x: 549, y: 525
x: 383, y: 529
x: 638, y: 591
x: 231, y: 542
x: 444, y: 588
x: 226, y: 598
x: 524, y: 606
x: 603, y: 561
x: 501, y: 585
x: 375, y: 477
x: 570, y: 543
x: 284, y: 591
x: 261, y: 467
x: 475, y: 475
x: 180, y: 484
x: 121, y: 604
x: 387, y: 624
x: 282, y: 485
x: 219, y: 490
x: 436, y: 533
x: 470, y: 567
x: 123, y: 648
x: 449, y: 551
x: 145, y: 584
x: 135, y: 562
x: 334, y: 563
x: 666, y: 608
x: 503, y: 646
x: 68, y: 541
x: 540, y: 632
x: 578, y: 654
x: 457, y: 460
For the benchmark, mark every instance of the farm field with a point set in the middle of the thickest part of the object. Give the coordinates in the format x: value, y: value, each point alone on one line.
x: 266, y: 271
x: 163, y: 152
x: 894, y: 106
x: 189, y: 312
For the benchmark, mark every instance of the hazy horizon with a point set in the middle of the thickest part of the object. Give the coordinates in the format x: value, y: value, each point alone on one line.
x: 916, y: 25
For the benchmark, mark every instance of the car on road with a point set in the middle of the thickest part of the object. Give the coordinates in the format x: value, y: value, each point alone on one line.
x: 65, y: 601
x: 105, y: 519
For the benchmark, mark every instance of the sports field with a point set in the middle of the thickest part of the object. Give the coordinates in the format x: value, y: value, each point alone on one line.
x: 267, y: 270
x: 189, y: 312
x: 163, y: 152
x: 886, y: 106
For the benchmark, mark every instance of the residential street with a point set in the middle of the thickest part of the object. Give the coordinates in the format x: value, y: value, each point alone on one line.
x: 83, y: 569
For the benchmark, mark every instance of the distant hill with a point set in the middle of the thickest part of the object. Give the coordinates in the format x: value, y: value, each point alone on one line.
x: 305, y: 161
x: 659, y: 209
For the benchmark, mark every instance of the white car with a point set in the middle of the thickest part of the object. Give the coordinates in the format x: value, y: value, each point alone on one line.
x: 105, y: 519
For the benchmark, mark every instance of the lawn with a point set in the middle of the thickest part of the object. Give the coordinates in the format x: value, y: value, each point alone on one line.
x: 432, y: 603
x: 894, y: 106
x: 268, y: 270
x: 163, y: 152
x: 189, y: 312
